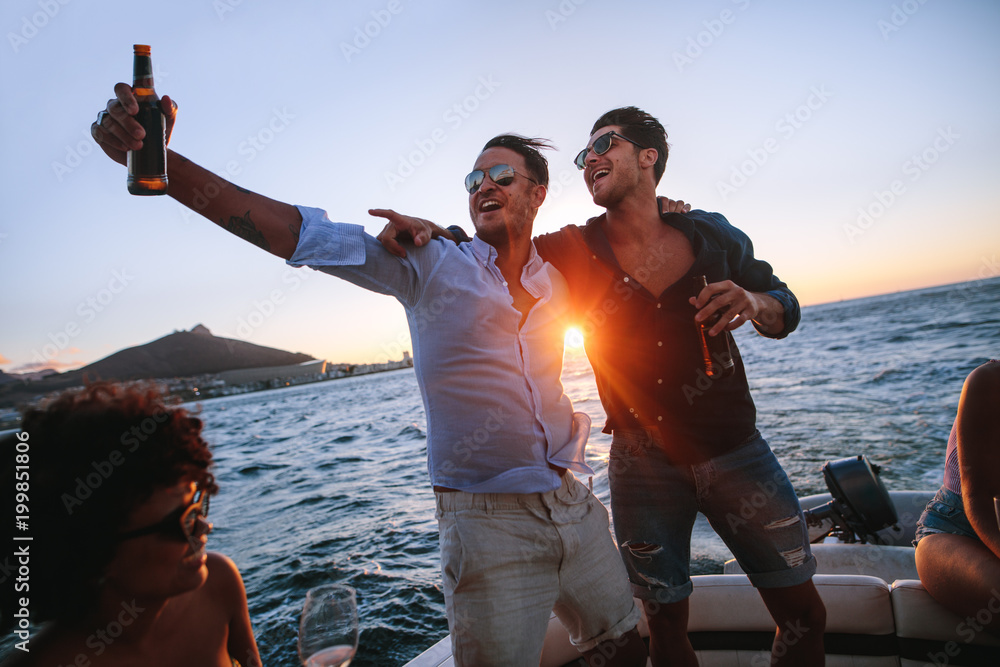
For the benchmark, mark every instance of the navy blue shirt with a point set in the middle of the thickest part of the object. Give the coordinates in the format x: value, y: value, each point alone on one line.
x: 644, y: 348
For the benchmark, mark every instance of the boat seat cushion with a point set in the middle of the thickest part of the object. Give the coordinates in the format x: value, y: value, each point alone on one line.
x: 930, y: 634
x: 885, y: 562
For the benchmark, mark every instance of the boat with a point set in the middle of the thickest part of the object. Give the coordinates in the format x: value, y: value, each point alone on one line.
x: 878, y: 613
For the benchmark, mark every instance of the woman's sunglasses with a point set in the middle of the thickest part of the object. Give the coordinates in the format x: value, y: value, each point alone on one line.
x: 502, y: 174
x: 601, y: 145
x: 179, y: 524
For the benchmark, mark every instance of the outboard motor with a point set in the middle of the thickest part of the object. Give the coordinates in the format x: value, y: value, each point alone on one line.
x: 861, y: 506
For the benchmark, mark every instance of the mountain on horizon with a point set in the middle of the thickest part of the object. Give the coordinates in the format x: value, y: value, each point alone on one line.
x: 180, y: 354
x: 185, y: 354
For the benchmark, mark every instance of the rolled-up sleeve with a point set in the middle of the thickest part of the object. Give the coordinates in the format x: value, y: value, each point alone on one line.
x: 345, y: 250
x: 323, y: 243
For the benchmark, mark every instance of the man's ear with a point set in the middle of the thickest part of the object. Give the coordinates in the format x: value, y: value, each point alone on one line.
x: 538, y: 195
x: 648, y: 157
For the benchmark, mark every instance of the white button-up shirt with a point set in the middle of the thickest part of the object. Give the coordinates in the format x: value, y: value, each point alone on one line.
x: 496, y: 412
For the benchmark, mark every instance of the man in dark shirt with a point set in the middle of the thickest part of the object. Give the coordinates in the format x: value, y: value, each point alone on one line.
x: 684, y: 440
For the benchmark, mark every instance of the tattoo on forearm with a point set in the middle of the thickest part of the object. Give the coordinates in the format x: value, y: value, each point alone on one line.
x: 243, y: 227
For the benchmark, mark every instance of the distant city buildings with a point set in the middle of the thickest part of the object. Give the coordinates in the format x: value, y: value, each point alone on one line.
x: 245, y: 380
x: 242, y: 381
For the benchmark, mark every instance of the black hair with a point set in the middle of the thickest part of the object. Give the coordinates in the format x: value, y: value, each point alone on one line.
x: 641, y: 128
x: 530, y: 149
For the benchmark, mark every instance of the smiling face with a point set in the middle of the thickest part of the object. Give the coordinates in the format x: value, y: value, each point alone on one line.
x: 618, y: 172
x: 502, y: 213
x: 159, y: 565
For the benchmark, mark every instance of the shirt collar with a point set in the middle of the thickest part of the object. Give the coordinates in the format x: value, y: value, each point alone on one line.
x: 487, y: 254
x: 597, y: 238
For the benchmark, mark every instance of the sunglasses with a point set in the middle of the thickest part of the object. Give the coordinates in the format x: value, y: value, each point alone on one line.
x: 502, y: 174
x: 601, y: 145
x: 180, y: 524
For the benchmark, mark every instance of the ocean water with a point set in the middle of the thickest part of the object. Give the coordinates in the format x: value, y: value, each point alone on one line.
x: 328, y: 483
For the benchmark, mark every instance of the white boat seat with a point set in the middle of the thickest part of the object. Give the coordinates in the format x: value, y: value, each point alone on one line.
x: 729, y: 624
x: 886, y: 563
x: 929, y: 634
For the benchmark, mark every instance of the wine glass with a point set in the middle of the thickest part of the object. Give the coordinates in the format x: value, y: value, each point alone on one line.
x: 328, y: 631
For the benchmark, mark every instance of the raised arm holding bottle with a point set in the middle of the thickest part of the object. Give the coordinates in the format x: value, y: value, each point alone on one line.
x: 264, y: 222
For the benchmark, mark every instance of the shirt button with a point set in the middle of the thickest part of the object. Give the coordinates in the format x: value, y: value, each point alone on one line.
x: 631, y: 409
x: 659, y: 343
x: 626, y: 278
x: 658, y: 305
x: 660, y: 381
x: 659, y: 419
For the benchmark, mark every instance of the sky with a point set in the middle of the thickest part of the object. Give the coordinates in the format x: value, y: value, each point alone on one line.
x: 856, y: 142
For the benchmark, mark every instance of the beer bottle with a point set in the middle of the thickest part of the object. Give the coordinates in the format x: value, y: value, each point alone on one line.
x: 147, y: 167
x: 715, y: 353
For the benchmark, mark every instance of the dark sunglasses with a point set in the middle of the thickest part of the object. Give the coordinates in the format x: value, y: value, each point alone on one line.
x: 601, y: 145
x: 179, y: 524
x: 502, y: 174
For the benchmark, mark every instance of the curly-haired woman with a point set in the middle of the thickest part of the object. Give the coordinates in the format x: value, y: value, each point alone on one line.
x: 120, y: 484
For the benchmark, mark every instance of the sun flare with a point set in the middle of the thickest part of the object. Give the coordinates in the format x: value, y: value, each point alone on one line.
x: 574, y: 339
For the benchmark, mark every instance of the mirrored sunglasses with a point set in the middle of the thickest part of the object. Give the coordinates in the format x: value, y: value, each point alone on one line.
x: 501, y: 174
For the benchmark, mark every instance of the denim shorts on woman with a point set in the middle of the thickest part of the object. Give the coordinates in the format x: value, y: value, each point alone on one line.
x: 745, y: 494
x: 945, y: 513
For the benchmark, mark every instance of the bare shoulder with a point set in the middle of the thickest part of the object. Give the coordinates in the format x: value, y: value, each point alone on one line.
x: 224, y: 579
x: 985, y: 378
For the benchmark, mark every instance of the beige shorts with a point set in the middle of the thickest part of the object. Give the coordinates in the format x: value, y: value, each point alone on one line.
x: 509, y: 560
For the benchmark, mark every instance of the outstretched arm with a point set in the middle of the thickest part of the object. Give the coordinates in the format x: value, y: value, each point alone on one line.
x: 265, y: 222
